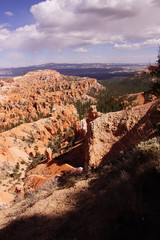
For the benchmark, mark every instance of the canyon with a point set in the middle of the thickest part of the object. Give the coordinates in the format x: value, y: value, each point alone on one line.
x: 37, y: 112
x: 43, y: 141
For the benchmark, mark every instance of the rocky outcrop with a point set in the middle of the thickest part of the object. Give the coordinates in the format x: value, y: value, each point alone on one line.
x: 35, y: 114
x: 44, y: 174
x: 36, y: 94
x: 21, y: 143
x: 114, y: 132
x: 50, y: 170
x: 92, y: 114
x: 51, y: 139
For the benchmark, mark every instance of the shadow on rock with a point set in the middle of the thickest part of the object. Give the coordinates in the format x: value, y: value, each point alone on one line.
x: 122, y: 202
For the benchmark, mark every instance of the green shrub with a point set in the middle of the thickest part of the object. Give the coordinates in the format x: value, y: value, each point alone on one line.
x: 82, y: 108
x: 59, y: 116
x: 67, y: 180
x: 38, y: 158
x: 149, y: 152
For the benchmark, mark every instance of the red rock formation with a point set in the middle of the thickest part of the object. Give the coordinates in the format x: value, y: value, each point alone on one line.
x: 152, y: 67
x: 44, y: 174
x: 92, y: 114
x: 117, y: 131
x: 29, y: 97
x: 49, y: 154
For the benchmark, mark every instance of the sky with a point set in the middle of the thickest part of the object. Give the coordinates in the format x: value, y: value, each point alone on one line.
x: 78, y: 31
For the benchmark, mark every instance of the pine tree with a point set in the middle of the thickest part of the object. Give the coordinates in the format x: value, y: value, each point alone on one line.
x: 158, y: 60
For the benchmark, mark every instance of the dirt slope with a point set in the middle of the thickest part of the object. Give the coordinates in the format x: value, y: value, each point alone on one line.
x: 113, y: 203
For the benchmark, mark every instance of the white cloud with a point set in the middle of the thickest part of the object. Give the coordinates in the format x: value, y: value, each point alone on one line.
x: 79, y: 23
x: 151, y: 42
x: 127, y: 46
x: 4, y: 35
x: 80, y: 50
x: 134, y: 46
x: 8, y: 13
x: 4, y: 25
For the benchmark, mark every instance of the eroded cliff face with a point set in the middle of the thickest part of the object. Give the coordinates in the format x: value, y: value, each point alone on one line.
x: 107, y: 136
x: 30, y: 137
x: 38, y: 94
x: 18, y: 145
x: 39, y: 102
x: 114, y: 132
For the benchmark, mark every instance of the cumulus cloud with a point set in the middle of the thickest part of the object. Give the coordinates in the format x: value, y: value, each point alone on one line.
x: 80, y: 50
x: 4, y: 25
x: 127, y: 46
x: 157, y: 3
x: 79, y: 23
x: 8, y: 13
x: 135, y: 46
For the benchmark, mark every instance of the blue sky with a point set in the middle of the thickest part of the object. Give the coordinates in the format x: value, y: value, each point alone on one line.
x: 21, y: 11
x: 78, y: 31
